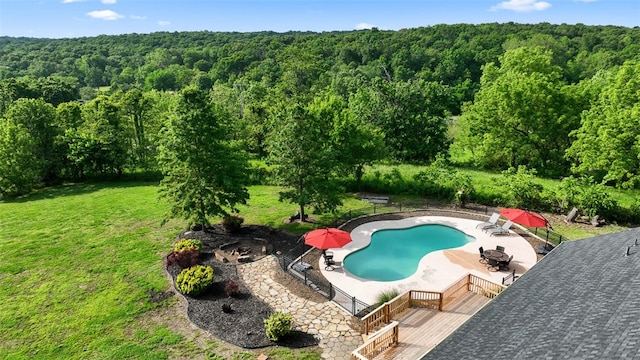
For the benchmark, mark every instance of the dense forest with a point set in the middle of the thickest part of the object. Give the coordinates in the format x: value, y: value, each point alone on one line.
x: 317, y: 108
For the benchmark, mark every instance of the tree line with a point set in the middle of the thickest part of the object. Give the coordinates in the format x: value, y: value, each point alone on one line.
x: 317, y: 108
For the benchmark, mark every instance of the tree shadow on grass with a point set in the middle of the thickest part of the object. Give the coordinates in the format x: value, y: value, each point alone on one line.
x: 75, y: 189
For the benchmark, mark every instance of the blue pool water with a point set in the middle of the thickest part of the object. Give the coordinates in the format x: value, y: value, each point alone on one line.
x: 394, y: 254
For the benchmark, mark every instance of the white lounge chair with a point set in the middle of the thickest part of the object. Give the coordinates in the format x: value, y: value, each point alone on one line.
x: 502, y: 230
x: 493, y: 220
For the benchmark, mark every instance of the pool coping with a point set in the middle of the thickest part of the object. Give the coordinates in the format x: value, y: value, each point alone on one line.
x: 437, y: 270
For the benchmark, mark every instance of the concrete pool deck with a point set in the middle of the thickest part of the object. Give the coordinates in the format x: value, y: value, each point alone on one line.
x: 437, y: 270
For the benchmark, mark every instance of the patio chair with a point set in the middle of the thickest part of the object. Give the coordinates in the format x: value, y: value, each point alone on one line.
x: 483, y: 259
x: 502, y: 230
x: 493, y: 265
x: 500, y: 248
x: 329, y: 263
x: 328, y: 255
x: 504, y: 265
x: 493, y: 220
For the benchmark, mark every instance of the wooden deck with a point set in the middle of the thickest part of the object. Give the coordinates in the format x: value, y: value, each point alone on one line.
x: 421, y: 330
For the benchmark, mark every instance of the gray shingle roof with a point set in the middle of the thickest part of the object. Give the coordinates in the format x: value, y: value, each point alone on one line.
x: 582, y: 301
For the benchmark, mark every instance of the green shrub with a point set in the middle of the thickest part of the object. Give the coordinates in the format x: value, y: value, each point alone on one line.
x: 385, y: 296
x: 195, y: 280
x: 278, y: 325
x: 232, y: 223
x: 520, y: 189
x: 186, y: 244
x: 567, y: 193
x: 596, y: 200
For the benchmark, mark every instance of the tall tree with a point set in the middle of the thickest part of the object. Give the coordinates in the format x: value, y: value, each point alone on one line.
x: 304, y: 158
x: 607, y: 145
x: 412, y: 115
x: 98, y: 146
x: 137, y: 106
x: 38, y: 118
x: 205, y: 174
x: 21, y: 167
x: 358, y: 142
x: 522, y: 115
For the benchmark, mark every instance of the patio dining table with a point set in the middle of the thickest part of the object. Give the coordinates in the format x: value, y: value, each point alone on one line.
x: 496, y: 255
x: 494, y: 258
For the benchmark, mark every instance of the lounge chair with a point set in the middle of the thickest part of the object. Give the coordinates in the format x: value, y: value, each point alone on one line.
x: 502, y: 230
x: 493, y: 220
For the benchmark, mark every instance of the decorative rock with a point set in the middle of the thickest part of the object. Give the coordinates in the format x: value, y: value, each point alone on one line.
x: 310, y: 317
x: 221, y: 257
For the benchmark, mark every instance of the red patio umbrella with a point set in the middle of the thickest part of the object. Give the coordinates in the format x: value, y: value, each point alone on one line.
x: 327, y: 238
x: 524, y: 217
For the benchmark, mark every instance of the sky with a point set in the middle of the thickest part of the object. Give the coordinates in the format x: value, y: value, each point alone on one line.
x: 81, y: 18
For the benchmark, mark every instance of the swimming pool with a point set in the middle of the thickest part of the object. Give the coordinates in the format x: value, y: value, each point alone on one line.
x: 394, y: 254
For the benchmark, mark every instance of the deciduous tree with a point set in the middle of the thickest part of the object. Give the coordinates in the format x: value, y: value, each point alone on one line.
x: 522, y: 115
x: 303, y: 156
x: 607, y: 145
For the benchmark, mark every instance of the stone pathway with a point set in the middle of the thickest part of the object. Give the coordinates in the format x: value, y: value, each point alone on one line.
x: 326, y: 320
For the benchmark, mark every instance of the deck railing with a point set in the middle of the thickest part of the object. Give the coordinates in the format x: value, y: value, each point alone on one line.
x: 380, y: 342
x: 392, y: 309
x: 484, y: 287
x: 401, y: 303
x: 376, y: 319
x: 426, y: 299
x: 454, y: 291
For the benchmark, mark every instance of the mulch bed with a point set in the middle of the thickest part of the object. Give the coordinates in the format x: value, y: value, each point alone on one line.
x: 244, y: 326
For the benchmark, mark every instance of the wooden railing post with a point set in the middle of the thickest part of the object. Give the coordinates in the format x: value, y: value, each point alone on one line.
x: 396, y: 335
x: 387, y: 312
x: 440, y: 305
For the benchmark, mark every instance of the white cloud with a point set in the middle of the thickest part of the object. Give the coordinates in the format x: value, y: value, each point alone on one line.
x: 105, y: 15
x: 138, y: 17
x: 71, y: 1
x: 163, y: 23
x: 109, y: 1
x: 363, y: 26
x: 522, y: 5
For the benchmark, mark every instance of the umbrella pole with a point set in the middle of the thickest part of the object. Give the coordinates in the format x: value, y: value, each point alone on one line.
x: 546, y: 242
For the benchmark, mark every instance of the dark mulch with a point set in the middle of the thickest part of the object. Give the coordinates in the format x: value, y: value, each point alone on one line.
x: 244, y: 326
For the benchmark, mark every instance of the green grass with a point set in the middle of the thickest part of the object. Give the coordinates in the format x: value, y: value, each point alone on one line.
x: 576, y: 233
x: 78, y: 265
x: 486, y: 182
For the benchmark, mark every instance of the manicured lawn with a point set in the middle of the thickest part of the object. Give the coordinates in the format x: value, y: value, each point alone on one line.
x: 79, y: 263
